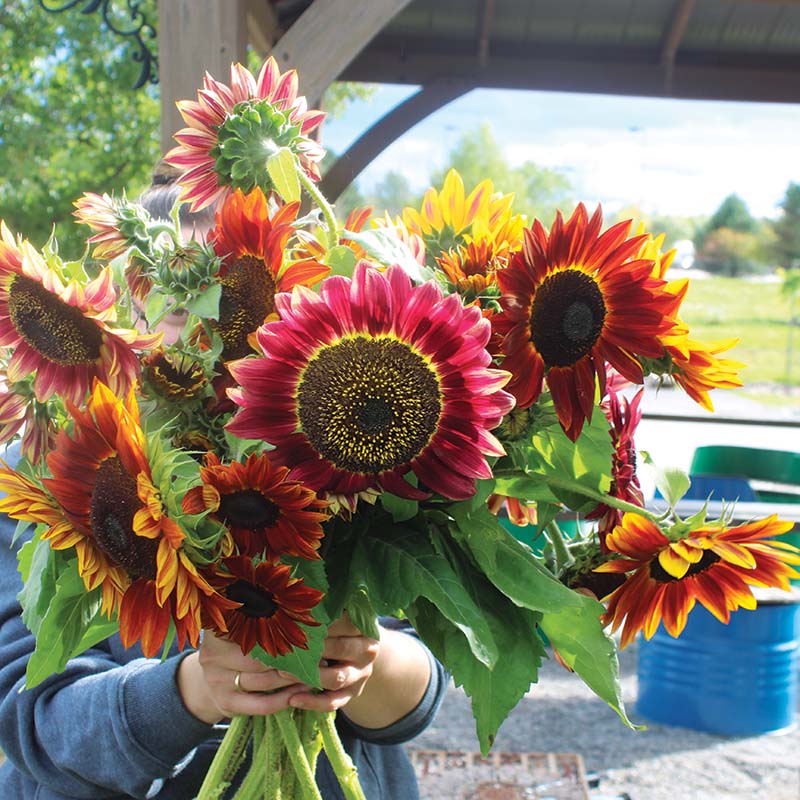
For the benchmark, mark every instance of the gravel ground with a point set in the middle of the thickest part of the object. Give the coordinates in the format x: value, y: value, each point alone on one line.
x: 560, y: 714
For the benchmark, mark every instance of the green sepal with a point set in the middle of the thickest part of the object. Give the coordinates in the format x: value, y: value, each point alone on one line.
x: 282, y: 168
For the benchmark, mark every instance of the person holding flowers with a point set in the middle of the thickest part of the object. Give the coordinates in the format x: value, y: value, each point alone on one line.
x: 321, y: 447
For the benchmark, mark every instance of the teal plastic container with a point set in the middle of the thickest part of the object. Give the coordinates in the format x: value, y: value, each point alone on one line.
x: 738, y: 679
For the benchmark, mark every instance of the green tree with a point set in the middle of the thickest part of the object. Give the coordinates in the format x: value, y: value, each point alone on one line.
x: 393, y: 193
x: 538, y: 191
x: 729, y: 252
x: 787, y: 229
x: 732, y: 214
x: 70, y: 121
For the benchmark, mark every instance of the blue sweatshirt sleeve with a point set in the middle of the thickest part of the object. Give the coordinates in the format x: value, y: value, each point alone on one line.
x: 99, y: 729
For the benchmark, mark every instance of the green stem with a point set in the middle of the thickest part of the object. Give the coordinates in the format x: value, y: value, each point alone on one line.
x: 324, y: 206
x: 562, y: 555
x: 305, y: 778
x: 227, y: 760
x: 342, y: 764
x: 273, y: 762
x: 600, y: 497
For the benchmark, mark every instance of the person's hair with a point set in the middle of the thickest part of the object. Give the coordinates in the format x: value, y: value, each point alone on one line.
x: 162, y: 194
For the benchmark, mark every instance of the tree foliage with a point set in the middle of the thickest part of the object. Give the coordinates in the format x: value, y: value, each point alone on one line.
x: 70, y: 121
x: 539, y: 191
x: 787, y: 229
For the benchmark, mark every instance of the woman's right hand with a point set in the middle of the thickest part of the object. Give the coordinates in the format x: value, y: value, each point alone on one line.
x: 207, y: 683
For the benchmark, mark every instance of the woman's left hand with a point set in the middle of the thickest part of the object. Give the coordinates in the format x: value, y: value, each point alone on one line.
x: 347, y: 662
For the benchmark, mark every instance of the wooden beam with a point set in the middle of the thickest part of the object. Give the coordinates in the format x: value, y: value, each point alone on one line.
x: 486, y: 17
x: 263, y: 29
x: 328, y: 36
x: 388, y: 129
x: 672, y: 39
x: 195, y: 36
x: 757, y: 79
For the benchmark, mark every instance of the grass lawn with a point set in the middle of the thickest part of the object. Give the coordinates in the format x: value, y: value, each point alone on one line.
x: 755, y: 313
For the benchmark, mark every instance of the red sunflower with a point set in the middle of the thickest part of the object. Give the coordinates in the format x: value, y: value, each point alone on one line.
x: 371, y: 379
x: 252, y: 244
x: 573, y: 300
x: 624, y: 416
x: 59, y: 331
x: 265, y: 512
x: 272, y: 607
x: 715, y: 565
x: 233, y: 130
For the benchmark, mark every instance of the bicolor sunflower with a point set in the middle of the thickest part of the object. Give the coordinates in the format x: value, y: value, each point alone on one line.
x: 695, y: 366
x: 370, y: 380
x: 21, y: 415
x: 574, y: 299
x: 58, y: 330
x: 102, y: 502
x: 233, y: 130
x: 266, y: 513
x: 251, y: 245
x: 270, y: 607
x: 117, y: 225
x: 450, y: 217
x: 624, y: 416
x: 714, y: 564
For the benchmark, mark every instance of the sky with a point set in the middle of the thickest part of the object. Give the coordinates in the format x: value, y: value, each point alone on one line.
x: 671, y: 157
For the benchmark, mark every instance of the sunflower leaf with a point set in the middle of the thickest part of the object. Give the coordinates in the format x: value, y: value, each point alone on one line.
x: 509, y: 564
x: 400, y: 565
x: 341, y: 260
x: 400, y: 508
x: 579, y: 637
x: 71, y: 613
x: 494, y: 692
x: 206, y: 304
x: 282, y: 171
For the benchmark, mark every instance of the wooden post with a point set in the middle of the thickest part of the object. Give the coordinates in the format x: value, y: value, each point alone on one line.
x: 195, y: 36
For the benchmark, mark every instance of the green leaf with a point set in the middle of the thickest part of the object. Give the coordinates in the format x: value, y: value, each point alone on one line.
x: 494, y: 692
x: 400, y: 565
x: 525, y: 487
x: 70, y: 614
x: 508, y: 563
x: 673, y: 483
x: 579, y: 637
x: 282, y: 171
x: 41, y: 563
x: 400, y: 508
x: 341, y: 259
x: 206, y: 305
x: 362, y: 614
x: 386, y: 248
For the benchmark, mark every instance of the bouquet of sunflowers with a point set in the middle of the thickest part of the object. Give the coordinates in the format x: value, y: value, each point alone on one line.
x: 352, y: 419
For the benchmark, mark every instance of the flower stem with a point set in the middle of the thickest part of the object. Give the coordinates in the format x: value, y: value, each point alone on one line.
x: 324, y: 206
x: 307, y: 785
x: 342, y: 764
x: 562, y: 555
x: 227, y: 760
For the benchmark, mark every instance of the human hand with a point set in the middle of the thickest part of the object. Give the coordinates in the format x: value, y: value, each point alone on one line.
x: 218, y: 681
x: 347, y: 662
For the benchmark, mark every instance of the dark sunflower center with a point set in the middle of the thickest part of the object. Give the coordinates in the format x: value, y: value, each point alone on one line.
x: 369, y: 405
x: 112, y: 506
x: 248, y: 297
x: 256, y: 601
x: 567, y: 317
x: 175, y: 377
x: 248, y: 509
x: 658, y: 573
x: 250, y: 134
x: 56, y: 330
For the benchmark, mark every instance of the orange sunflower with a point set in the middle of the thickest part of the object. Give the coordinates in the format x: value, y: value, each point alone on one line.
x: 265, y: 512
x: 571, y: 301
x: 251, y: 244
x: 58, y: 330
x: 714, y: 564
x: 271, y: 605
x: 102, y: 502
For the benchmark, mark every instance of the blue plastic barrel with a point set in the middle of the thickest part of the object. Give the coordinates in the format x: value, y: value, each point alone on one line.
x: 738, y: 679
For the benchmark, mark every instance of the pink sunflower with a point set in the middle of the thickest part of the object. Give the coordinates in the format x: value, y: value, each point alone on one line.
x: 370, y: 380
x: 234, y: 129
